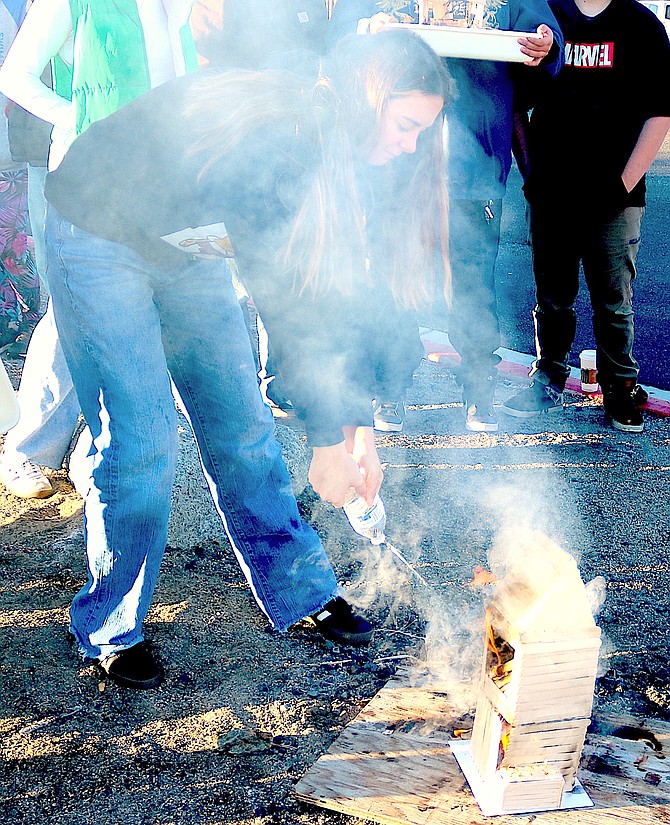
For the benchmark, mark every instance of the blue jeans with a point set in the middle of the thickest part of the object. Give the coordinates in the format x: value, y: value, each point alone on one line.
x: 47, y: 400
x: 607, y: 252
x: 126, y: 328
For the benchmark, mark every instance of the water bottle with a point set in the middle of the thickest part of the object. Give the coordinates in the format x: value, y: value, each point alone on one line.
x: 368, y: 522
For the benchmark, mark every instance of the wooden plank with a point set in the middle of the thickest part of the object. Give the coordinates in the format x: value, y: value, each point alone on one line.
x: 537, y: 747
x: 383, y: 768
x: 554, y: 729
x: 548, y: 706
x: 563, y: 671
x: 585, y: 637
x: 533, y: 794
x: 410, y: 709
x: 370, y: 774
x: 485, y: 749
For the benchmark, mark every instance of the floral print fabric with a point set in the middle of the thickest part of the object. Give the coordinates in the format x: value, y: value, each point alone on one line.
x: 19, y: 280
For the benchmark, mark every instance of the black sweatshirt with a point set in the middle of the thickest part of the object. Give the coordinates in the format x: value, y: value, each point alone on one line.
x: 131, y: 178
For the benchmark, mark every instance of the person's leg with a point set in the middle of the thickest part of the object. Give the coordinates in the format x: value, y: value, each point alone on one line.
x: 37, y: 207
x: 474, y: 331
x: 556, y: 256
x: 47, y: 400
x: 19, y: 281
x: 272, y: 386
x: 609, y: 269
x: 214, y: 372
x: 397, y: 352
x: 111, y: 336
x: 272, y: 390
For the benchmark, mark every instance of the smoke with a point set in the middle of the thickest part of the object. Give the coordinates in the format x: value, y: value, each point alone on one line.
x: 451, y: 659
x: 386, y: 580
x: 450, y: 625
x: 539, y: 590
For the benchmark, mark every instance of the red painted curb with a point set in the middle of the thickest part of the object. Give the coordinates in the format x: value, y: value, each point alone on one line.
x: 435, y: 352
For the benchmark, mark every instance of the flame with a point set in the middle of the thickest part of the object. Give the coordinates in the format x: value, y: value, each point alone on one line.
x: 492, y: 646
x: 500, y: 669
x: 504, y: 740
x: 481, y: 576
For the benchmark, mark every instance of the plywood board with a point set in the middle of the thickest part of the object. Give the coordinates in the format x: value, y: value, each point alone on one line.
x: 393, y: 765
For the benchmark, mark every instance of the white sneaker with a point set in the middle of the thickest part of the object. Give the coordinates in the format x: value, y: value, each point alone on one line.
x: 389, y: 416
x: 26, y: 480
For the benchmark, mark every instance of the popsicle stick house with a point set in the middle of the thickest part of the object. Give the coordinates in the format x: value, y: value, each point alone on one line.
x: 538, y: 677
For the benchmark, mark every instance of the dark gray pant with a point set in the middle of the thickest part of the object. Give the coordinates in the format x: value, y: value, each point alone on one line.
x: 607, y: 253
x: 474, y: 236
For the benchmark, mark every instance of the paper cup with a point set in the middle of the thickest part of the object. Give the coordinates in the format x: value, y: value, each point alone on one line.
x: 587, y: 364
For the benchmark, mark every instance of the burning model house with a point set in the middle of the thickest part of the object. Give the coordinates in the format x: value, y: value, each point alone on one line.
x: 539, y: 671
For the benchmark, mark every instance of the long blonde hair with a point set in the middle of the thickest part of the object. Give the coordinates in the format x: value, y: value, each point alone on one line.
x: 341, y: 112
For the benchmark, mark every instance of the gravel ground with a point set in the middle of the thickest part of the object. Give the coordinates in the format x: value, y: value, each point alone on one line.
x: 245, y: 712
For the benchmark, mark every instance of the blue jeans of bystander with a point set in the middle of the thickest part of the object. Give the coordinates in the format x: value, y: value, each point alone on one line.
x: 48, y: 402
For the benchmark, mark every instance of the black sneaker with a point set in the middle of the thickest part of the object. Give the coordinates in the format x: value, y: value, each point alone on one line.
x: 17, y: 348
x: 134, y: 667
x: 338, y: 622
x: 389, y: 416
x: 537, y: 399
x: 621, y: 408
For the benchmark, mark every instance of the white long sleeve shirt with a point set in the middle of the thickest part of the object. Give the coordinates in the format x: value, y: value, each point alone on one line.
x: 47, y: 32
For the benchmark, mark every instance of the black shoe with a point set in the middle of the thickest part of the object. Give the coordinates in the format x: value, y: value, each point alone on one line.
x: 538, y: 399
x: 276, y: 398
x: 17, y: 348
x: 478, y: 405
x: 338, y: 622
x: 134, y: 667
x: 621, y: 408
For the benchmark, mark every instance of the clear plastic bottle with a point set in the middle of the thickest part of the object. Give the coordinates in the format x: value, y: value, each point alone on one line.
x: 368, y: 522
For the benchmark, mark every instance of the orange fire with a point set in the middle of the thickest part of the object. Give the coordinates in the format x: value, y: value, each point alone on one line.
x: 504, y: 740
x: 501, y: 655
x: 481, y: 576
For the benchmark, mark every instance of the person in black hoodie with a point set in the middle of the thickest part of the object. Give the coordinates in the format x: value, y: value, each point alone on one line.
x: 593, y: 133
x: 286, y: 34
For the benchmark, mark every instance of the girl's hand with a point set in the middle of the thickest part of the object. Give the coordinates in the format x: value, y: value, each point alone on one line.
x: 360, y: 442
x: 333, y: 472
x: 351, y: 463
